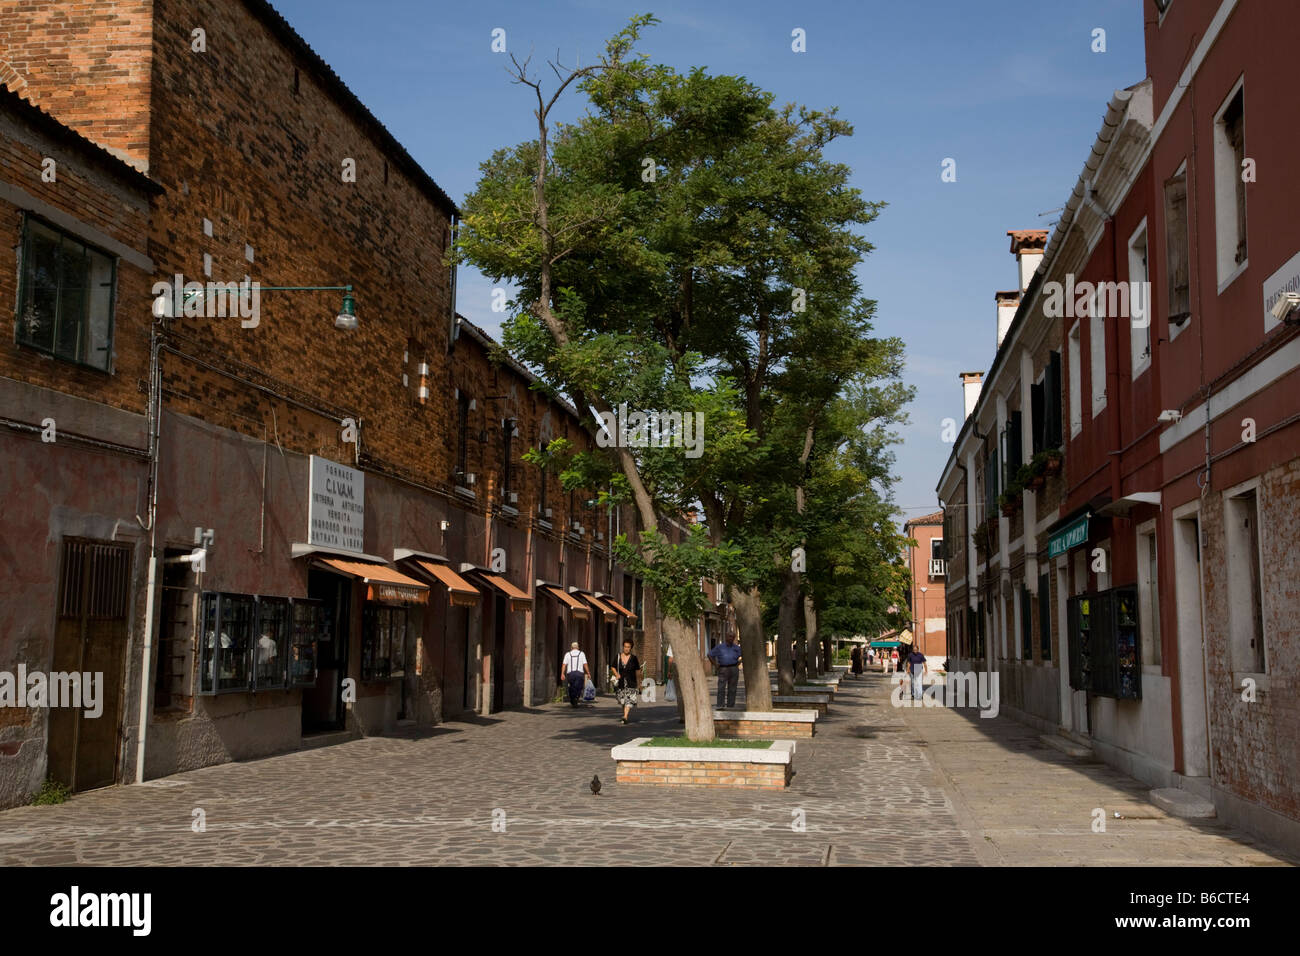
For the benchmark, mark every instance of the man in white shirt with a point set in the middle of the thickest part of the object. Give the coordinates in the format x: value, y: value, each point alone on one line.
x: 575, y: 673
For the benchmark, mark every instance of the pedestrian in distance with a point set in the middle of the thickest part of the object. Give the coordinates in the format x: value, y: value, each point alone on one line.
x: 726, y: 658
x: 855, y: 660
x: 917, y: 667
x: 575, y: 673
x: 893, y: 661
x: 626, y: 672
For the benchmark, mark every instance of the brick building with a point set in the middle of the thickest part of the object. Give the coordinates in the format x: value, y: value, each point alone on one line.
x: 926, y: 596
x: 74, y: 438
x: 1167, y: 303
x: 347, y: 537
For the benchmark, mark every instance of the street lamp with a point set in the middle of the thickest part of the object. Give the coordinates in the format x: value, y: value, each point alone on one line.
x: 347, y: 315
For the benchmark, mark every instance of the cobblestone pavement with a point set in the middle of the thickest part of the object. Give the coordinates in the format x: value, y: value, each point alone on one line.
x: 867, y: 785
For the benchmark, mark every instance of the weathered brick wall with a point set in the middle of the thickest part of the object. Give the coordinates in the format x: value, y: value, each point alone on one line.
x: 1256, y: 746
x: 88, y: 190
x: 87, y: 62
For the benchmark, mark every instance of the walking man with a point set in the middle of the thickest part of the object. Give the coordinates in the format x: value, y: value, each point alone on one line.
x: 726, y: 657
x: 917, y: 667
x: 575, y: 673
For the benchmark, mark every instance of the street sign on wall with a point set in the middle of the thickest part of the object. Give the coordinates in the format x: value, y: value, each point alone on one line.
x: 336, y: 510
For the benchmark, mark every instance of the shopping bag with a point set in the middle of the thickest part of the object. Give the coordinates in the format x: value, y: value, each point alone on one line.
x: 670, y: 692
x: 589, y: 692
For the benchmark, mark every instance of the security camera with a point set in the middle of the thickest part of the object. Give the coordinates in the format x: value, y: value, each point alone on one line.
x: 1170, y: 415
x: 1286, y: 304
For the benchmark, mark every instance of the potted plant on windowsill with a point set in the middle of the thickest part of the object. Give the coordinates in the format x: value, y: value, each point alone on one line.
x: 1031, y: 475
x: 1009, y: 502
x: 1051, y: 461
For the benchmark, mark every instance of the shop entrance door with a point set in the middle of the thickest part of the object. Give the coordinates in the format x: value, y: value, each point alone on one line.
x: 89, y: 639
x: 322, y: 707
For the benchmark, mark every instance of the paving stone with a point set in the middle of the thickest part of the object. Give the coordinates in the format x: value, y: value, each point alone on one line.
x: 878, y: 785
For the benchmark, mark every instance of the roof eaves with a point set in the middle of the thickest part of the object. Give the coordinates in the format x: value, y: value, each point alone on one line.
x: 492, y: 345
x: 48, y: 124
x: 279, y: 26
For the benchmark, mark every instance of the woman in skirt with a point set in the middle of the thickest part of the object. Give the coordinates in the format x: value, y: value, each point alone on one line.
x: 627, y: 669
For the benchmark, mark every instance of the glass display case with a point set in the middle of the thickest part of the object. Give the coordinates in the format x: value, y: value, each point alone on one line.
x: 271, y: 649
x: 1105, y: 644
x: 249, y: 642
x: 308, y: 625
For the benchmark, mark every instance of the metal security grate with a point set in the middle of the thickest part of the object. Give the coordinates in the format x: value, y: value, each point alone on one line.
x: 96, y: 580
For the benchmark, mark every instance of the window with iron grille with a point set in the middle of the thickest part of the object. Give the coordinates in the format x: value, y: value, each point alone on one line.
x: 462, y: 436
x: 66, y: 296
x: 507, y: 466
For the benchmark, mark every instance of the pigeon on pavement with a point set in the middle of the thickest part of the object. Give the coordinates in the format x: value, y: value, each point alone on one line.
x: 595, y: 784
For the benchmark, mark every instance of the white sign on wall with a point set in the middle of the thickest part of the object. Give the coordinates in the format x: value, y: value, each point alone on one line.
x: 1286, y: 279
x: 336, y: 510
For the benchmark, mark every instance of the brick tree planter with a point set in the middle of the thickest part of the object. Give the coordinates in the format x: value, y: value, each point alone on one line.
x: 817, y: 702
x: 737, y: 767
x: 813, y: 686
x: 765, y: 724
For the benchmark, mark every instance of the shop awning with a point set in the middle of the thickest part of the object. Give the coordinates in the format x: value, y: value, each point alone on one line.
x: 1122, y: 506
x: 620, y: 608
x: 459, y: 591
x: 599, y: 605
x: 576, y: 608
x: 519, y: 601
x: 384, y: 583
x: 885, y: 643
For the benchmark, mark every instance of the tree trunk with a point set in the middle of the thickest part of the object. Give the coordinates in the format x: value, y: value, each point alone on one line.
x: 785, y: 664
x: 749, y: 620
x: 817, y: 664
x: 694, y: 689
x: 800, y: 642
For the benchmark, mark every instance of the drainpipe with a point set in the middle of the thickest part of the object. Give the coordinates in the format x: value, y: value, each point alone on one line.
x: 151, y: 587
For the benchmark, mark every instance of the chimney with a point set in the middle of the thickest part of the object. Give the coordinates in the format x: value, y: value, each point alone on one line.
x: 1007, y: 303
x: 1027, y: 246
x: 970, y: 389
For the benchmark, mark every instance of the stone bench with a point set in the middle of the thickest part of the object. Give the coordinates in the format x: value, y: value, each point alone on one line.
x: 766, y: 724
x: 810, y: 688
x: 817, y: 702
x: 742, y: 767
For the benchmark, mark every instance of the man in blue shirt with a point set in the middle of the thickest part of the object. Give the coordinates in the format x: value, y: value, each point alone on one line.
x: 726, y: 658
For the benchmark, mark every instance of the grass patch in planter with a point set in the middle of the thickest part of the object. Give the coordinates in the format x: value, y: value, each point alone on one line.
x: 687, y: 742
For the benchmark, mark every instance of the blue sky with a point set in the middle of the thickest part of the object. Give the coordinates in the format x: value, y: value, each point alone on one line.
x: 1011, y: 90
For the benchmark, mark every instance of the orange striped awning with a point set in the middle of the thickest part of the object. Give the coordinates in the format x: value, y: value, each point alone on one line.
x: 597, y: 603
x: 519, y: 601
x: 459, y: 591
x: 385, y: 583
x: 620, y: 608
x: 576, y: 608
